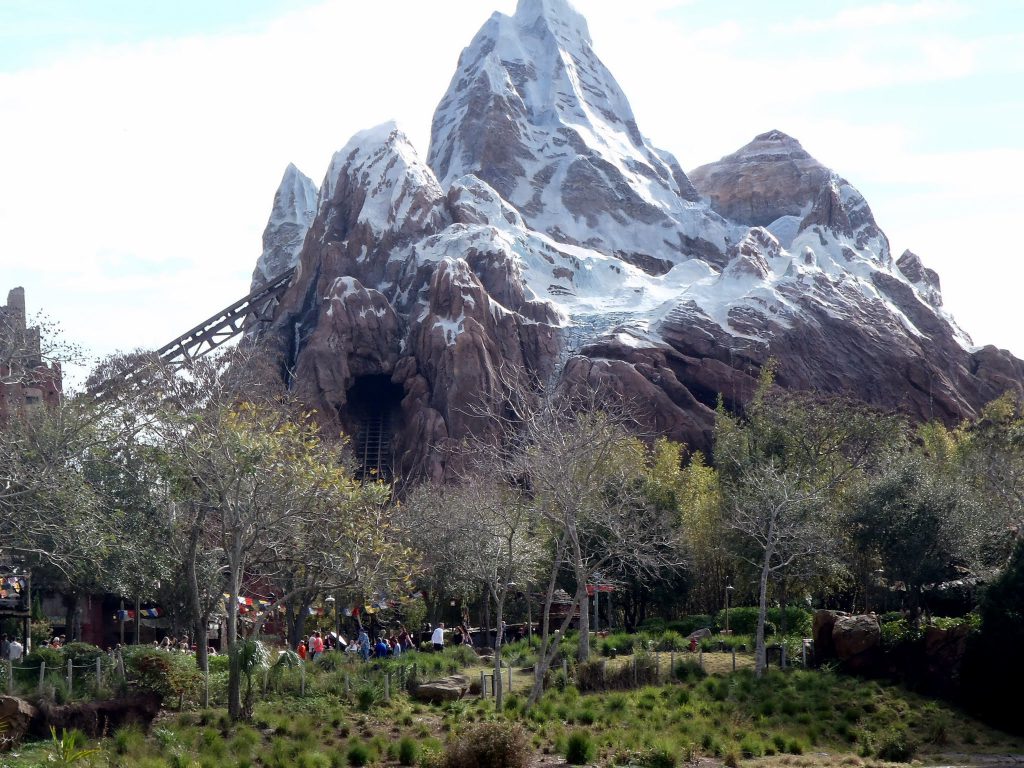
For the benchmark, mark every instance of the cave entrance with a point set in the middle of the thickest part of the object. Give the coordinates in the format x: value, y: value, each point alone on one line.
x: 374, y: 410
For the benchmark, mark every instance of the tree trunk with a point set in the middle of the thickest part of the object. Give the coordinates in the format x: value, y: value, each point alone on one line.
x: 782, y: 617
x: 487, y: 619
x: 138, y: 620
x: 760, y: 655
x: 297, y: 622
x: 200, y: 618
x: 499, y: 609
x: 234, y: 671
x: 583, y: 600
x: 201, y: 632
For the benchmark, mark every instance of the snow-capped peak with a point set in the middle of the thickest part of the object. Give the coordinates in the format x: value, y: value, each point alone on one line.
x: 559, y: 15
x: 295, y: 205
x: 534, y: 113
x: 396, y: 186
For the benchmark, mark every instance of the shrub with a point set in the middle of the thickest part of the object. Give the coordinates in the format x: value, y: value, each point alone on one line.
x: 690, y: 624
x: 899, y: 632
x: 358, y: 754
x: 495, y: 744
x: 218, y: 664
x: 367, y: 695
x: 82, y: 654
x: 169, y: 674
x: 579, y: 750
x: 743, y: 620
x: 896, y: 745
x: 462, y: 655
x: 653, y: 624
x: 672, y: 641
x: 657, y: 757
x: 408, y: 751
x: 688, y: 671
x: 52, y: 656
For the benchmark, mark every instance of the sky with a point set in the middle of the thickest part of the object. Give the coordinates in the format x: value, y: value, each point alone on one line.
x: 141, y: 143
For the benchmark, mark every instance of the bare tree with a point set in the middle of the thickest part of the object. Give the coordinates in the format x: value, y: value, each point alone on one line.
x: 574, y: 456
x: 782, y: 468
x: 787, y: 522
x: 481, y: 531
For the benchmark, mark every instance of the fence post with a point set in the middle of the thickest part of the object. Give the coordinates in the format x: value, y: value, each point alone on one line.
x: 510, y: 678
x: 206, y: 683
x: 387, y: 687
x: 71, y: 678
x: 635, y: 679
x: 99, y: 675
x: 734, y: 658
x: 10, y: 677
x: 657, y: 667
x: 42, y: 675
x: 782, y: 657
x: 700, y: 658
x: 803, y: 652
x: 348, y: 689
x: 604, y: 673
x: 565, y: 670
x: 483, y: 685
x: 302, y: 680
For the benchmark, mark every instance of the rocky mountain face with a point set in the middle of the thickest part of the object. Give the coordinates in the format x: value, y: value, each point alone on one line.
x: 290, y: 219
x: 544, y: 234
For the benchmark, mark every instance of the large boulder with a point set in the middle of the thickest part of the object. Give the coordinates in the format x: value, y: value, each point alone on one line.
x: 450, y: 688
x: 944, y: 651
x: 823, y: 624
x: 856, y: 638
x: 96, y: 718
x: 17, y: 714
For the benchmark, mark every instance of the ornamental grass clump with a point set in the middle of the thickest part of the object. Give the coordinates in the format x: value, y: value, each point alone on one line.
x: 579, y: 749
x: 493, y: 744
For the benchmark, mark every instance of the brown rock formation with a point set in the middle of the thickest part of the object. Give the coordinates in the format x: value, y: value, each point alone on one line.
x: 771, y: 177
x: 17, y: 715
x: 856, y: 639
x: 546, y: 221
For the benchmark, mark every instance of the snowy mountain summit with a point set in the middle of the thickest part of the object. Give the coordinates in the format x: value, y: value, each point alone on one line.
x: 544, y: 230
x: 533, y: 112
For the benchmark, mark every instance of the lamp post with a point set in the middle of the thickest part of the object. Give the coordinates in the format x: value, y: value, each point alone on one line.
x: 728, y: 593
x: 337, y: 616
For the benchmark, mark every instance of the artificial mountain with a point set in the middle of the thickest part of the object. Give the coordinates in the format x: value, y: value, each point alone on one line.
x: 544, y: 234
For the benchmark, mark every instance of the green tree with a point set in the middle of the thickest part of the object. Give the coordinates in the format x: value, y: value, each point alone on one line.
x: 784, y: 469
x: 918, y: 522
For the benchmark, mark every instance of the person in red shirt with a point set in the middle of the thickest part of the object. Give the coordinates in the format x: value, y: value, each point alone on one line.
x: 301, y: 650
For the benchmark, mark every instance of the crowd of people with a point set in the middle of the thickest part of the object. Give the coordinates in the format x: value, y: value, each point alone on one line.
x: 384, y: 645
x: 11, y: 649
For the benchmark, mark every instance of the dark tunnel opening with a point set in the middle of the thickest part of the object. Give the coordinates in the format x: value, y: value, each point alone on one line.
x: 373, y: 415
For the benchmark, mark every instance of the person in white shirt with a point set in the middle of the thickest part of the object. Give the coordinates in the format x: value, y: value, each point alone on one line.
x: 438, y: 638
x: 15, y: 651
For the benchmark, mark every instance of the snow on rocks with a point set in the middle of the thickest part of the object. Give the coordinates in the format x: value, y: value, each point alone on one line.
x: 290, y: 219
x: 533, y: 112
x: 545, y: 233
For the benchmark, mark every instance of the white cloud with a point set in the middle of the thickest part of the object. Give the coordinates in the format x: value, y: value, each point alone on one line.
x: 881, y: 15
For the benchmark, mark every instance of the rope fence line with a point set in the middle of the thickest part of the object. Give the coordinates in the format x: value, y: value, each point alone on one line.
x: 95, y: 670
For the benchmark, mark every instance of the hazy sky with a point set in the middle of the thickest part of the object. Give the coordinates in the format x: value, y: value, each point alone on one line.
x: 142, y: 142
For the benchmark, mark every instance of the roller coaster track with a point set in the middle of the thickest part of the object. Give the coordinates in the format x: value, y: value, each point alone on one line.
x: 212, y: 333
x: 230, y: 322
